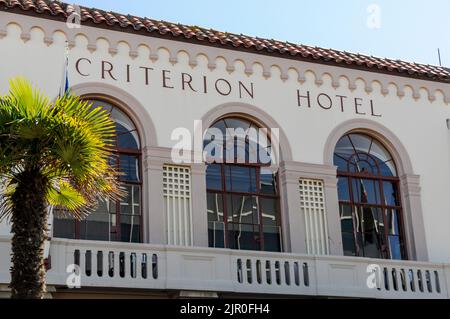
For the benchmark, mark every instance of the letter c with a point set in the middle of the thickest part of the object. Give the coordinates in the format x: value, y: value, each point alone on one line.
x: 77, y: 66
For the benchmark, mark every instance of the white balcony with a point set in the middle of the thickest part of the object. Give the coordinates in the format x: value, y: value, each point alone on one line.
x: 145, y: 266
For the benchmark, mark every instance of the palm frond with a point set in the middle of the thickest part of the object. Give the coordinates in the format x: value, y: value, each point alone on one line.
x: 65, y: 197
x: 69, y: 141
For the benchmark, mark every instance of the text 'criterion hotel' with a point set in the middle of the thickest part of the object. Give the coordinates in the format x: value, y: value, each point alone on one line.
x: 252, y: 167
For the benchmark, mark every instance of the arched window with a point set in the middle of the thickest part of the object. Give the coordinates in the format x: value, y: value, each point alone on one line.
x: 242, y: 187
x: 121, y: 220
x: 369, y: 198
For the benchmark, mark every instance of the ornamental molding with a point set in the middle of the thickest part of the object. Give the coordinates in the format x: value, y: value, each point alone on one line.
x: 153, y: 49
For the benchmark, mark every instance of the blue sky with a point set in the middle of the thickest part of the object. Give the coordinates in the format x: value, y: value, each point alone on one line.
x: 410, y: 30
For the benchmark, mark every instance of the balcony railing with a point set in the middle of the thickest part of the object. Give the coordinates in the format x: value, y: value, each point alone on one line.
x: 121, y: 265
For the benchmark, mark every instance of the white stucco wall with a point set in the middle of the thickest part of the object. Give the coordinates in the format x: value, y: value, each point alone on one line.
x: 420, y: 124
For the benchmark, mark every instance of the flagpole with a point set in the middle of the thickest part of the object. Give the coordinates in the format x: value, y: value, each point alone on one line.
x: 64, y: 88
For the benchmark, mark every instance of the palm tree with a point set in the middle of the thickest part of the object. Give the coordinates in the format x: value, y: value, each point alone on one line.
x: 51, y: 154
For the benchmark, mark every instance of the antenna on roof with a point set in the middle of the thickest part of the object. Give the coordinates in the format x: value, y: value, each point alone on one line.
x: 439, y: 56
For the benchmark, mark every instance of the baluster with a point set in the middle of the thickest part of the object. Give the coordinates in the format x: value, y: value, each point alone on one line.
x: 259, y: 276
x: 100, y: 263
x: 82, y: 262
x: 249, y: 272
x: 116, y: 265
x: 437, y: 281
x: 267, y: 273
x: 419, y: 277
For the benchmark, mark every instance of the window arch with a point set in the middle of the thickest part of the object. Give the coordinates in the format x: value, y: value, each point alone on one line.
x: 242, y: 187
x: 119, y: 220
x: 369, y: 198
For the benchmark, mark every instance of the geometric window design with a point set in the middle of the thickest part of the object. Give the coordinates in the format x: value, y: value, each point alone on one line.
x: 312, y: 204
x: 369, y: 198
x: 177, y: 204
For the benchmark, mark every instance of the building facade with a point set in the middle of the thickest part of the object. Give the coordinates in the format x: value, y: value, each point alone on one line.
x: 346, y: 197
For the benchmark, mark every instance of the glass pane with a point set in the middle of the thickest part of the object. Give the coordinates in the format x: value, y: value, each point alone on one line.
x: 379, y: 152
x: 216, y: 234
x: 242, y: 209
x: 130, y: 204
x: 127, y: 140
x: 130, y: 228
x: 372, y: 245
x: 269, y: 211
x: 272, y: 237
x: 370, y: 220
x: 237, y: 123
x: 96, y: 226
x: 243, y: 236
x: 267, y: 181
x: 387, y: 168
x: 137, y: 194
x: 122, y: 119
x: 340, y: 162
x: 344, y: 147
x: 129, y: 167
x: 126, y: 200
x: 395, y: 248
x: 215, y: 207
x: 390, y: 193
x: 343, y: 189
x: 360, y: 142
x: 240, y: 148
x: 348, y: 242
x: 366, y: 191
x: 392, y: 221
x: 214, y: 176
x: 346, y: 218
x: 64, y: 227
x: 371, y: 229
x: 240, y: 179
x: 364, y: 166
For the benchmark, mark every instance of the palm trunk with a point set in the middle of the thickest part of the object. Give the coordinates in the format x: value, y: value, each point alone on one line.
x: 29, y: 226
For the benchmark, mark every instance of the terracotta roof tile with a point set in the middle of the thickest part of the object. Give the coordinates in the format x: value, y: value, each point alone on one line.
x: 48, y: 9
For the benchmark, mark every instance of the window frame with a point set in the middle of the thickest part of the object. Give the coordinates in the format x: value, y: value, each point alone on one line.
x: 116, y: 151
x: 356, y: 205
x: 225, y: 194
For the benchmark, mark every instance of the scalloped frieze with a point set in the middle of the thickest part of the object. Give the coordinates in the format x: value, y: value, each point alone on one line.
x: 286, y: 69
